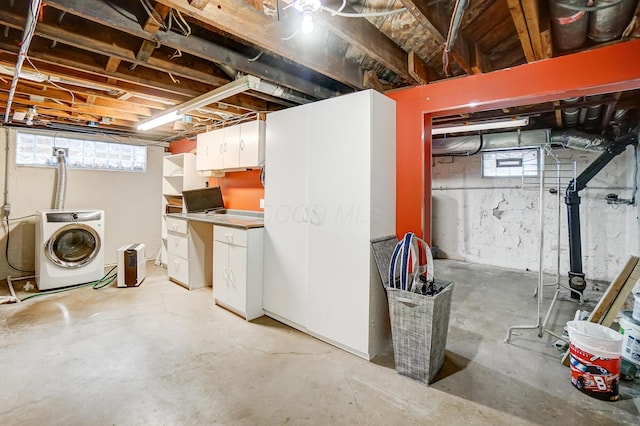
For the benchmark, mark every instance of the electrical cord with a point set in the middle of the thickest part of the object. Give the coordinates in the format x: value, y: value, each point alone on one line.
x: 97, y: 285
x: 6, y: 248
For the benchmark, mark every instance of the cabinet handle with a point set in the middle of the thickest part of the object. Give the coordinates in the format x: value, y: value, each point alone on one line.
x: 206, y: 150
x: 225, y: 147
x: 175, y: 226
x: 231, y: 276
x: 229, y: 237
x: 305, y: 214
x: 177, y: 265
x: 176, y: 241
x: 220, y: 149
x: 225, y: 274
x: 241, y: 144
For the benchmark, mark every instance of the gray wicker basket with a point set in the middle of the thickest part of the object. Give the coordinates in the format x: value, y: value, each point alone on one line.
x: 419, y: 326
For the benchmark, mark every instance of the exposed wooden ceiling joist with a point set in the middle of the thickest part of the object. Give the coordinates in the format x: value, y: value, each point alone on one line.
x: 112, y: 16
x: 240, y: 20
x: 437, y: 23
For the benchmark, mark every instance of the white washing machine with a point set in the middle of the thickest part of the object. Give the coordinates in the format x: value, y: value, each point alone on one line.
x: 69, y: 247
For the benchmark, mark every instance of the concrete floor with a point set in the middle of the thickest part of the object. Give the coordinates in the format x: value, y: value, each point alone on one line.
x: 159, y: 354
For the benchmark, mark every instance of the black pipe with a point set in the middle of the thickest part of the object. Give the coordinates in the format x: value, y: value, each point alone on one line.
x: 572, y: 200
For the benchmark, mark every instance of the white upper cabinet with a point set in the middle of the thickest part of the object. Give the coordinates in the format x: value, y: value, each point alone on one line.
x: 232, y: 148
x: 209, y: 150
x: 252, y: 136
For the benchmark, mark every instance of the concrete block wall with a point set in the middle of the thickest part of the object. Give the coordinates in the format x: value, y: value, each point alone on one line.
x: 494, y: 221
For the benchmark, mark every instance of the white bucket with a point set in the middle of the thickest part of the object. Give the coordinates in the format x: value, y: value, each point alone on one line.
x: 596, y: 339
x: 636, y: 307
x: 630, y: 331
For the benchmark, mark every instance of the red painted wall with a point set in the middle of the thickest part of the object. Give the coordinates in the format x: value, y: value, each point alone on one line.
x: 602, y: 70
x: 240, y: 190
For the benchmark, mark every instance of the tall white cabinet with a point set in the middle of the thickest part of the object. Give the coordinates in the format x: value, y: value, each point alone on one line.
x: 329, y: 190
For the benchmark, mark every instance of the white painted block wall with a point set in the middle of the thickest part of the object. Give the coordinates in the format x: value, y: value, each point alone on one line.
x: 489, y: 221
x: 132, y: 203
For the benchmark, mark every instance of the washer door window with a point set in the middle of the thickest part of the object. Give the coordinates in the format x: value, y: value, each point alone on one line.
x: 73, y: 246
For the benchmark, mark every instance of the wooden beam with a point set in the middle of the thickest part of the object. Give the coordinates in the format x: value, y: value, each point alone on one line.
x: 111, y: 16
x: 112, y: 64
x: 151, y: 25
x: 434, y: 20
x: 199, y: 4
x: 558, y: 113
x: 517, y: 15
x: 146, y: 50
x: 112, y: 49
x: 368, y: 38
x: 545, y: 32
x: 417, y: 68
x: 532, y: 18
x: 478, y: 60
x: 241, y: 20
x: 54, y: 64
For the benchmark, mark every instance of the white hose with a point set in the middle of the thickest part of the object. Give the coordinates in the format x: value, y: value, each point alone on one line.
x: 61, y: 186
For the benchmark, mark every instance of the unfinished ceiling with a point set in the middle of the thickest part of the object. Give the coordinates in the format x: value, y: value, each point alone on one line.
x: 105, y: 66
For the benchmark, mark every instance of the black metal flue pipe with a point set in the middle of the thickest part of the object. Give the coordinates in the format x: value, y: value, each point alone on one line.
x: 572, y: 200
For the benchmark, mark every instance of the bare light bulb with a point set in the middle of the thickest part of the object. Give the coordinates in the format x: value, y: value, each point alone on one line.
x: 307, y: 23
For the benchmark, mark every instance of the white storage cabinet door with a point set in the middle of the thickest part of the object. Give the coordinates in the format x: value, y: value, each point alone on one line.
x: 237, y: 278
x: 221, y: 271
x: 231, y: 147
x: 251, y: 139
x: 285, y: 215
x: 339, y: 220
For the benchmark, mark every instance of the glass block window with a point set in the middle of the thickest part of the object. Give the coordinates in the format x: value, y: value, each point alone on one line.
x: 34, y: 149
x: 515, y: 163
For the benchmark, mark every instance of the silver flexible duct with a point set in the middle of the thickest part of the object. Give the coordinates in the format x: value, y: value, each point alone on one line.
x: 578, y: 140
x: 61, y: 178
x: 470, y: 145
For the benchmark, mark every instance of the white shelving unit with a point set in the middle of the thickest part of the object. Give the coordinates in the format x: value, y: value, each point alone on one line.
x: 178, y: 174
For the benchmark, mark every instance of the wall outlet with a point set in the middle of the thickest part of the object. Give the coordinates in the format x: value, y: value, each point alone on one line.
x: 262, y: 203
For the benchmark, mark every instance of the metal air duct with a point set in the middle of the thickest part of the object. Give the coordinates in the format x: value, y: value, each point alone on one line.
x: 609, y: 21
x: 470, y: 145
x: 568, y: 25
x: 61, y: 179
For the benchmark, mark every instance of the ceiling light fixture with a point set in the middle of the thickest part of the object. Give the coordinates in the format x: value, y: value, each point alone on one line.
x: 307, y: 7
x: 483, y: 125
x: 238, y: 86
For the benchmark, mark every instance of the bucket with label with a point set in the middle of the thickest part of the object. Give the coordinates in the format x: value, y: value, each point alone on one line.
x: 630, y: 331
x: 594, y: 359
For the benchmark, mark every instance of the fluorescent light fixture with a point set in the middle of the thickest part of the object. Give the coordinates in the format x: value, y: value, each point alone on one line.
x: 165, y: 118
x: 240, y: 85
x: 483, y: 125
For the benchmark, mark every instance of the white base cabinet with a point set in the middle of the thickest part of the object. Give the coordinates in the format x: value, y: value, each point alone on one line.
x: 237, y: 270
x: 330, y: 188
x: 189, y: 247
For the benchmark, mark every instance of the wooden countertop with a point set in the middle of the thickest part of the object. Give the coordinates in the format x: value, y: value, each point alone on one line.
x: 233, y: 218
